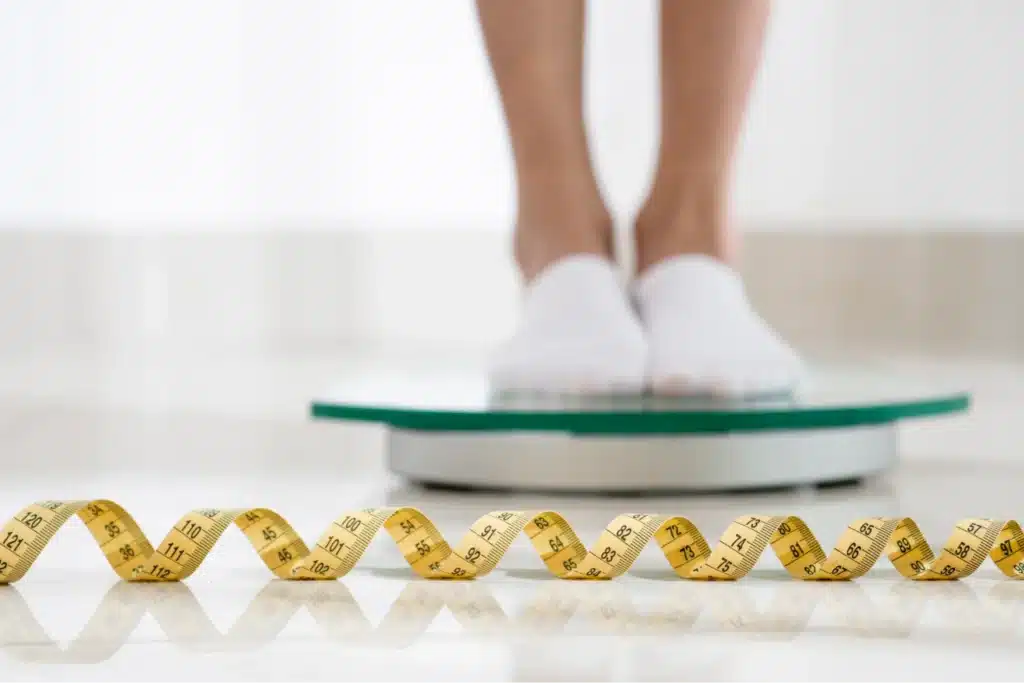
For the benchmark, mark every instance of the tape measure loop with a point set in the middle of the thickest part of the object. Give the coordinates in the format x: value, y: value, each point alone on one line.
x: 429, y: 555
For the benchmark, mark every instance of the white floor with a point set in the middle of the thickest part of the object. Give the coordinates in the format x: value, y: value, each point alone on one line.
x: 161, y: 435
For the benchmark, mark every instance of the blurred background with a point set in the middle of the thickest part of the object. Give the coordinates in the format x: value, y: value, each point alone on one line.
x: 245, y: 177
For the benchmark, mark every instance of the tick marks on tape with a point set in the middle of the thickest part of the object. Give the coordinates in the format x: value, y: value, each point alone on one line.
x: 339, y: 548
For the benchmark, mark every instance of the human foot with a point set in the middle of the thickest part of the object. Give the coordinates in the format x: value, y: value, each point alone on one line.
x: 704, y: 335
x: 578, y: 333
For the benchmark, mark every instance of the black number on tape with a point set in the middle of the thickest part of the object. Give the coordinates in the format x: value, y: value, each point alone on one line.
x: 191, y: 529
x: 13, y: 541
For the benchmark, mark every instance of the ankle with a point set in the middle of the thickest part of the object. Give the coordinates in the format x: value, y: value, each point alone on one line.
x: 684, y: 222
x: 554, y: 222
x: 538, y: 242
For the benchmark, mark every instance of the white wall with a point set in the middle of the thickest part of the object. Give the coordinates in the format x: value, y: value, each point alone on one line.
x: 337, y: 112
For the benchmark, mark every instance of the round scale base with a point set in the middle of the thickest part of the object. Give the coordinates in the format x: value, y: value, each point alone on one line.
x: 552, y: 463
x: 449, y: 430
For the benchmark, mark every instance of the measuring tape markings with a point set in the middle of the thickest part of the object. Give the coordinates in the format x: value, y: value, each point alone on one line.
x: 340, y: 547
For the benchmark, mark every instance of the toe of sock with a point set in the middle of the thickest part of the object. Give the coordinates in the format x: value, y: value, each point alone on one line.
x: 726, y: 377
x: 571, y: 366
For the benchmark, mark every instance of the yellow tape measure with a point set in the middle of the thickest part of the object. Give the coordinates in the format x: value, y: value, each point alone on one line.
x: 338, y: 550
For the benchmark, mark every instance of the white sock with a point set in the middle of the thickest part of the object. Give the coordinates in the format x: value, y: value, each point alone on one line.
x: 704, y: 336
x: 578, y: 334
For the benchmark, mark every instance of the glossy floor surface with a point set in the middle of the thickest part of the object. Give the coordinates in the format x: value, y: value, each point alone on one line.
x: 162, y: 435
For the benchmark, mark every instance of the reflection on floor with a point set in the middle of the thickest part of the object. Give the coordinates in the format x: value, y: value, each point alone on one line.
x: 985, y: 614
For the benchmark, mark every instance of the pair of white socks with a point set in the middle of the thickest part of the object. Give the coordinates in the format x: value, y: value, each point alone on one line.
x: 685, y: 326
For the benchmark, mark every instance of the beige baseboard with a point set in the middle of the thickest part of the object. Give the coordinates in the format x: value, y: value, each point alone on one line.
x: 957, y: 291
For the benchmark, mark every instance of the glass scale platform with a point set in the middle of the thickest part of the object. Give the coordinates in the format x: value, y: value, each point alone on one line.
x: 451, y: 430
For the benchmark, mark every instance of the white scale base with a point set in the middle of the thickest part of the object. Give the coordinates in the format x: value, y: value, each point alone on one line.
x: 552, y: 462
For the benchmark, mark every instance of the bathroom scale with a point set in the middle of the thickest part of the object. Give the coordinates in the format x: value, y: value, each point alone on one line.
x: 452, y: 430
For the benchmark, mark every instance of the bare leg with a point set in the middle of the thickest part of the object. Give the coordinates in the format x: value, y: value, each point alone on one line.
x: 536, y: 53
x: 709, y: 53
x: 578, y: 331
x: 702, y: 331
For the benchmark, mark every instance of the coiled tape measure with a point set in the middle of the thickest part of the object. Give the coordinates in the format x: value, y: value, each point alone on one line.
x: 338, y: 550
